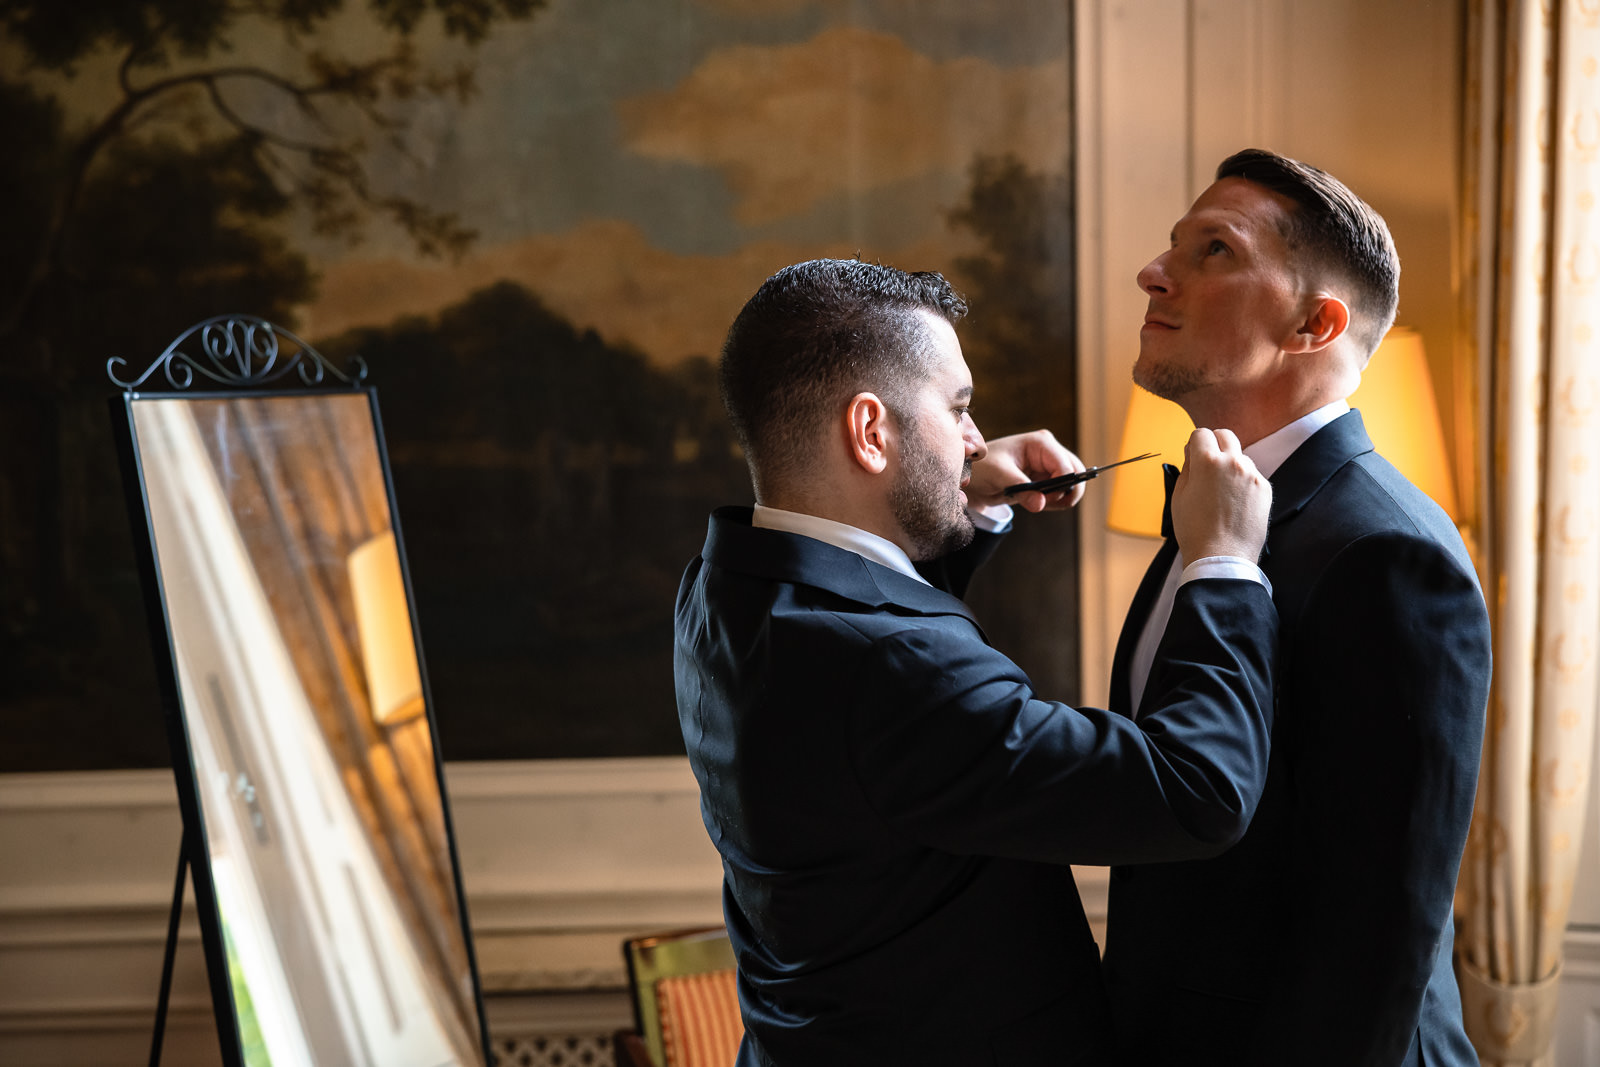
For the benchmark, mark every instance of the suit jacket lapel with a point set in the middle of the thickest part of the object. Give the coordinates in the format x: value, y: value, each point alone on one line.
x: 1155, y: 576
x: 1310, y: 466
x: 733, y: 543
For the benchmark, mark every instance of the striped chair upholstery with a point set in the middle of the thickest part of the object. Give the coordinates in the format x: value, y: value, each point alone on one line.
x: 700, y: 1024
x: 685, y: 1000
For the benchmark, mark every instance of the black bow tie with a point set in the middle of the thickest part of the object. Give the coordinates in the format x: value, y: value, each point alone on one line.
x: 1169, y: 475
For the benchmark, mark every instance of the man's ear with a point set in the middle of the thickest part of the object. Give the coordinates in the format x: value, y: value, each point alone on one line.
x: 869, y: 431
x: 1325, y: 322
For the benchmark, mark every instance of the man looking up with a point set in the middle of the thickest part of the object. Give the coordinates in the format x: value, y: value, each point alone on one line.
x: 894, y: 806
x: 1324, y: 937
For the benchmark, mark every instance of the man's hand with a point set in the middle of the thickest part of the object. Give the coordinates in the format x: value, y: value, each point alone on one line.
x: 1024, y: 457
x: 1221, y: 502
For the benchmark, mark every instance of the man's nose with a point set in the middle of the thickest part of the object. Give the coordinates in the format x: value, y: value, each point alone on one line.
x: 973, y: 439
x: 1153, y: 277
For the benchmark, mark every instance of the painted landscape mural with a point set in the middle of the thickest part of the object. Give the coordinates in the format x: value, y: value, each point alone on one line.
x: 534, y: 221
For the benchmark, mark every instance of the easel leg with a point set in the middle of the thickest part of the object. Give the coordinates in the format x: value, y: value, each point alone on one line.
x: 172, y: 947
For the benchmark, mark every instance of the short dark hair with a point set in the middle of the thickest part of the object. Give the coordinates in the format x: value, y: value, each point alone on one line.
x: 814, y: 335
x: 1333, y: 229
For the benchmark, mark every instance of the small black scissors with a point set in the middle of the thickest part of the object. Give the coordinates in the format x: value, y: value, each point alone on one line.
x: 1067, y: 481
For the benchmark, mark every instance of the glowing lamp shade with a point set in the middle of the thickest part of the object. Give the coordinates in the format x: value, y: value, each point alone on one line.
x: 383, y: 622
x: 1397, y: 405
x: 1137, y: 491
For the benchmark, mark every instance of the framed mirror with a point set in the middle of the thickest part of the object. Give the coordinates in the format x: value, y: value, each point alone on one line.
x: 303, y: 744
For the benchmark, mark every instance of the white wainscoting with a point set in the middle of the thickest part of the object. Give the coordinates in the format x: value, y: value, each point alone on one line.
x: 561, y: 860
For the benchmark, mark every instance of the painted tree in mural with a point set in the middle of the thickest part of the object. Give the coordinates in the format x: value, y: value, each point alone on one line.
x: 1019, y: 341
x: 562, y: 504
x: 125, y: 222
x: 1020, y: 333
x: 295, y: 128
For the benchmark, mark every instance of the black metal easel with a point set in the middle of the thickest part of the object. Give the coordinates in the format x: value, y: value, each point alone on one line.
x: 172, y: 948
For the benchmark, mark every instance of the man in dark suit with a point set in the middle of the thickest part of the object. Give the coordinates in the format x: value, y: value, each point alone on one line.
x: 894, y: 806
x: 1324, y: 936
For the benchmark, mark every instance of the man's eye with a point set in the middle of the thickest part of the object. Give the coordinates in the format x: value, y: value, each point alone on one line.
x: 1215, y: 247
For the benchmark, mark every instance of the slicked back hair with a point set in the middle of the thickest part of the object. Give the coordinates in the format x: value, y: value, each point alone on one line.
x: 1332, y: 230
x: 813, y: 336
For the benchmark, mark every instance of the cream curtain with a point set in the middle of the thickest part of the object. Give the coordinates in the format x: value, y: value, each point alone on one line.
x: 1531, y: 278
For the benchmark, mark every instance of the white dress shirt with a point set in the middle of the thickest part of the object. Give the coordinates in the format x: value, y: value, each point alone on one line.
x: 1268, y: 455
x: 996, y: 519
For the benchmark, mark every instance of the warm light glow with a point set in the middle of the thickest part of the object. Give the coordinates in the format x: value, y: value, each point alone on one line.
x: 1396, y: 402
x: 1137, y: 492
x: 383, y: 621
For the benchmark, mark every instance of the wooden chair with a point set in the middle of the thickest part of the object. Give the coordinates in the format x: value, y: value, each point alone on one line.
x: 685, y: 1001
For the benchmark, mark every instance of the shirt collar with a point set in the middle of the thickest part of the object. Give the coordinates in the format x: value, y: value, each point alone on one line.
x: 869, y: 545
x: 1269, y: 453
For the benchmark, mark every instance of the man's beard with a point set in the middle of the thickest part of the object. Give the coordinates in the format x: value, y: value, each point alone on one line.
x: 1166, y: 381
x: 927, y: 503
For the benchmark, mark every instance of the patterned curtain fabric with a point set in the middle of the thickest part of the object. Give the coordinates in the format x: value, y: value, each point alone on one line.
x: 1531, y: 282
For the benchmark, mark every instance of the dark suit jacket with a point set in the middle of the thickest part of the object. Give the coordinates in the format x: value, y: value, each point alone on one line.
x: 895, y: 808
x: 1324, y: 937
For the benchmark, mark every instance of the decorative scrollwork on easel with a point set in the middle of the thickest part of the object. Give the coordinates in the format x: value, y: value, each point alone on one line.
x: 240, y: 351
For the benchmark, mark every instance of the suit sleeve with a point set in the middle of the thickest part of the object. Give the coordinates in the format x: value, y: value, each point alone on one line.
x: 952, y: 746
x: 1387, y: 707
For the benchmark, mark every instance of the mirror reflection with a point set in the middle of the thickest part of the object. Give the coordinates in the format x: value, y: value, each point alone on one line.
x: 303, y: 705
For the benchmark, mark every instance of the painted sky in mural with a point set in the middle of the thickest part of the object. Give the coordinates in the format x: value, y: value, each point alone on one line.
x: 644, y: 171
x: 643, y: 166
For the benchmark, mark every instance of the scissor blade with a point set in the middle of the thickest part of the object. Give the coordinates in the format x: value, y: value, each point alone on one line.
x: 1120, y: 462
x: 1066, y: 481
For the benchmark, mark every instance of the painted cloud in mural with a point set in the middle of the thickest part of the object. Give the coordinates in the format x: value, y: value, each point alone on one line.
x: 850, y: 110
x: 652, y: 175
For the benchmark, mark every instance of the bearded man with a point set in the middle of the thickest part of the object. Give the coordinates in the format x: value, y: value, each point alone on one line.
x: 895, y: 808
